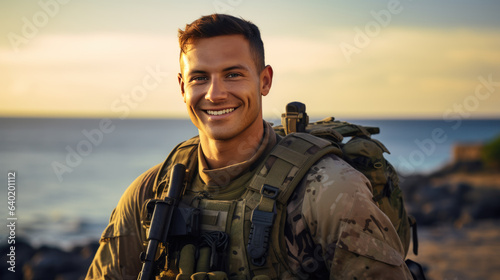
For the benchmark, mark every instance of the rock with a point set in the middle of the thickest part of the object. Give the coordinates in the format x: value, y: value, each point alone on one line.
x: 23, y: 252
x: 484, y: 204
x: 435, y: 202
x: 46, y: 263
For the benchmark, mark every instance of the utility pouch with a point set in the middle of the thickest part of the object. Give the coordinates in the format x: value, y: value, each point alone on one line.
x: 215, y: 275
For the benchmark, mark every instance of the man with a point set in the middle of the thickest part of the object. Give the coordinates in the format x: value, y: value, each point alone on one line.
x: 331, y: 228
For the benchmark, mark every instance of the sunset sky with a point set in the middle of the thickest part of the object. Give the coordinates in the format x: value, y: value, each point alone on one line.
x: 351, y: 59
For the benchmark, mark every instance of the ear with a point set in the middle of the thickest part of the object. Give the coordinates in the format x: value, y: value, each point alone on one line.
x: 266, y: 80
x: 181, y: 84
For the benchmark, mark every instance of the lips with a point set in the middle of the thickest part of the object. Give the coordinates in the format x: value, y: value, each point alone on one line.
x: 219, y: 112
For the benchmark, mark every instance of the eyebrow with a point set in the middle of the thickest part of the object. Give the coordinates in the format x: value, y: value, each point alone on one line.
x: 230, y: 68
x: 235, y: 67
x: 193, y: 72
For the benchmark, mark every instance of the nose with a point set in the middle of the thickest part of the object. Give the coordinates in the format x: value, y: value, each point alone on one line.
x: 216, y: 91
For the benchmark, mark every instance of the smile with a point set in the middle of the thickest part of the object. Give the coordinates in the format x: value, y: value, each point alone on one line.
x: 219, y: 112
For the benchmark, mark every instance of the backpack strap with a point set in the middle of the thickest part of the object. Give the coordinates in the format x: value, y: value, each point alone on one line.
x: 282, y: 170
x: 185, y: 153
x: 289, y: 161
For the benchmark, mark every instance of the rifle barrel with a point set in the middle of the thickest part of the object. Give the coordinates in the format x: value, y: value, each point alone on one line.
x: 160, y: 222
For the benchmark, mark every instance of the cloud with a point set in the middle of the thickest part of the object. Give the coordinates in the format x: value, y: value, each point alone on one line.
x: 84, y: 74
x: 402, y: 72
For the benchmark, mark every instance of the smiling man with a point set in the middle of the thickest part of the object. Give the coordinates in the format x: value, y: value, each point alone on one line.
x: 252, y: 226
x: 222, y: 85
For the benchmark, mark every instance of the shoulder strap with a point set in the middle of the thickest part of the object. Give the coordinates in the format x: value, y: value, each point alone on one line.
x: 276, y: 180
x: 185, y: 153
x: 289, y: 161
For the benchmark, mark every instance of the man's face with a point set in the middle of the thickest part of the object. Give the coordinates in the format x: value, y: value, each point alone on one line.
x: 222, y: 88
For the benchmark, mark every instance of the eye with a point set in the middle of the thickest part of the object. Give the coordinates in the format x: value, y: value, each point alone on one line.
x: 198, y: 78
x: 233, y: 75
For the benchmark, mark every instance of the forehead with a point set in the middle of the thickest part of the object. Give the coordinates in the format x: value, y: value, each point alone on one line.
x: 220, y: 51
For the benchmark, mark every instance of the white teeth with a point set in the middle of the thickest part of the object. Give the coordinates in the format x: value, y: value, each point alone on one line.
x: 220, y: 112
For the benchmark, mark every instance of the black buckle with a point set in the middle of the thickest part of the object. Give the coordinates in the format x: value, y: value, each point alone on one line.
x: 269, y: 191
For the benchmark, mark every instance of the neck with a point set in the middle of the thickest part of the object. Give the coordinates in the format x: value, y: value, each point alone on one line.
x: 222, y: 153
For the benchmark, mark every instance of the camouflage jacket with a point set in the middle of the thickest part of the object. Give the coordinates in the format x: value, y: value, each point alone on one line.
x: 333, y: 229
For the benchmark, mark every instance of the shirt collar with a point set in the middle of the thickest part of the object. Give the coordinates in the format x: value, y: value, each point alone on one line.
x: 223, y: 176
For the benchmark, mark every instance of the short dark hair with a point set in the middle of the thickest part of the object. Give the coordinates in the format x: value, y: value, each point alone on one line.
x: 221, y: 24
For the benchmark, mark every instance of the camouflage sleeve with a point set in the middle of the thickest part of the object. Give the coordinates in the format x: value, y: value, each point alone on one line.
x: 122, y: 241
x: 334, y: 229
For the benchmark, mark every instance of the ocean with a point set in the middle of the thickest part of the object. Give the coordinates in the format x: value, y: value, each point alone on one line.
x: 70, y: 173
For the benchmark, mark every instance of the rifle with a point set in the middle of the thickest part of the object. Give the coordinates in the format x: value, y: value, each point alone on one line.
x: 161, y: 221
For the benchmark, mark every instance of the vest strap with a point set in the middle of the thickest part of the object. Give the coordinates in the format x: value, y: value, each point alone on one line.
x: 289, y: 161
x: 288, y: 155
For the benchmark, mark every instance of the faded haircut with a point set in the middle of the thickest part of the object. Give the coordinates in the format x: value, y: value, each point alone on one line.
x: 221, y: 24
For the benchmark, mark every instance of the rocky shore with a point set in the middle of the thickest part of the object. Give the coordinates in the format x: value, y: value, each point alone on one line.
x: 458, y: 211
x: 46, y: 263
x: 436, y: 200
x: 463, y: 191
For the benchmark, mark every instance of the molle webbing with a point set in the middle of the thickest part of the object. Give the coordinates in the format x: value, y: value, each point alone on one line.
x: 334, y: 130
x: 289, y: 161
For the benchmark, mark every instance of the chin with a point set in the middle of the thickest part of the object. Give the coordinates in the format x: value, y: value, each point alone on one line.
x: 222, y: 134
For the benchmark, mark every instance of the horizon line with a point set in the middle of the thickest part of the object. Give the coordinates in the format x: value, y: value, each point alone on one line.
x: 312, y: 118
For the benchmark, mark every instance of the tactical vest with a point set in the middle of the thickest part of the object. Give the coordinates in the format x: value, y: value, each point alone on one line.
x: 254, y: 205
x: 252, y: 199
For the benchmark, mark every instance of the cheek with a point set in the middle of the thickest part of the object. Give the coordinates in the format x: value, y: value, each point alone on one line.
x: 190, y: 106
x: 248, y: 89
x: 190, y: 97
x: 187, y: 98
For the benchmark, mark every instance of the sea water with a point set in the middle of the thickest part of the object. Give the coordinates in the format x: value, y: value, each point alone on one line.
x: 70, y: 173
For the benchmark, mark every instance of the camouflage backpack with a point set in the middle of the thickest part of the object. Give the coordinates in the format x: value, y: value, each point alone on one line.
x: 365, y: 154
